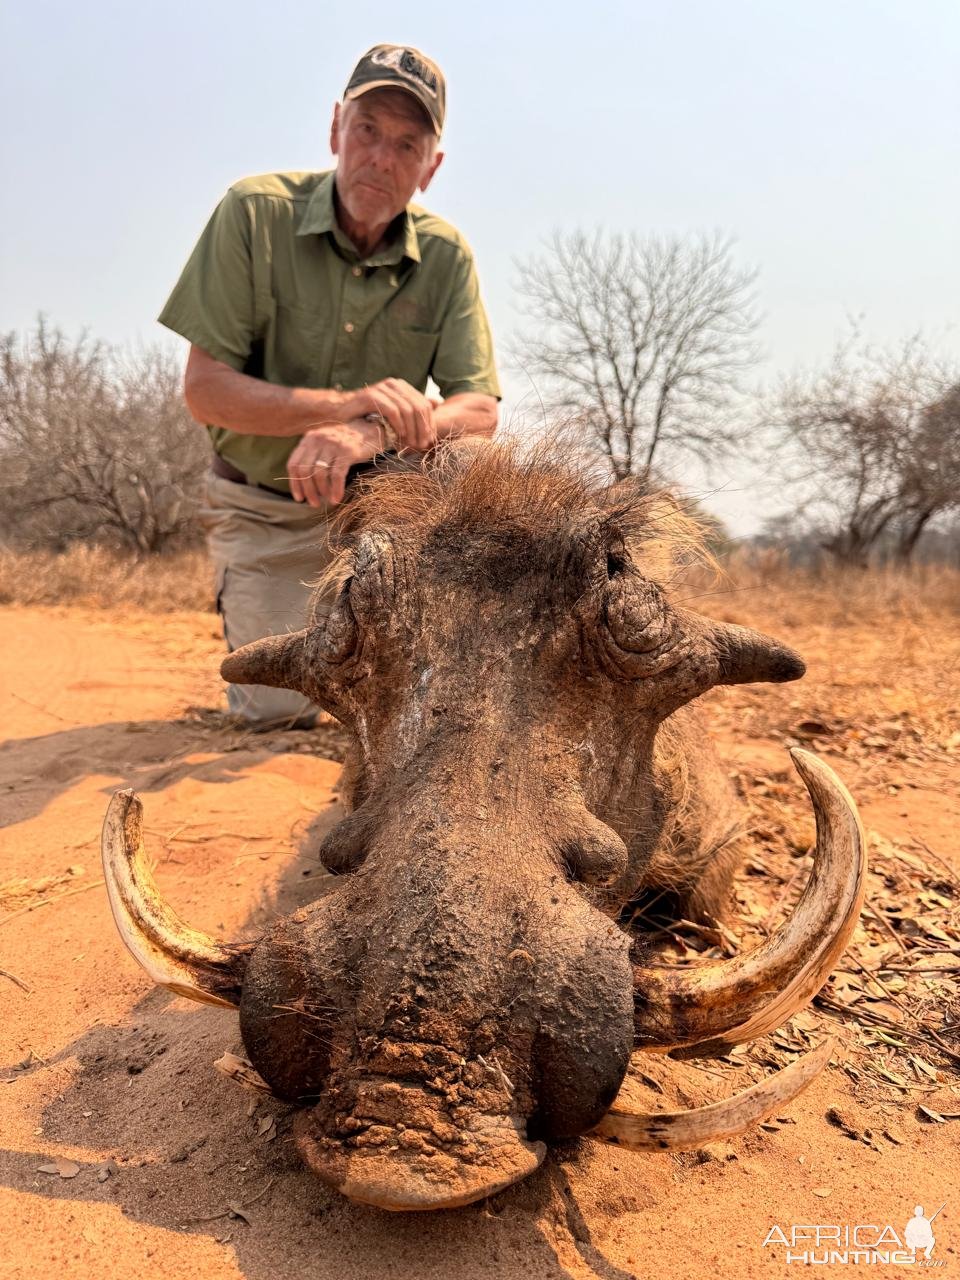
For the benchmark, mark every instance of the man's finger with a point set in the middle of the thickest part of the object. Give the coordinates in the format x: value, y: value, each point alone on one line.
x: 406, y: 430
x: 422, y: 435
x: 426, y: 435
x: 300, y: 479
x: 423, y: 413
x: 416, y: 407
x: 293, y: 475
x: 314, y: 486
x: 337, y: 481
x: 320, y: 480
x: 302, y: 470
x: 418, y: 425
x: 388, y: 408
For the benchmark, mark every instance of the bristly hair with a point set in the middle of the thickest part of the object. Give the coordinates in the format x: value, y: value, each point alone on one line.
x: 539, y: 490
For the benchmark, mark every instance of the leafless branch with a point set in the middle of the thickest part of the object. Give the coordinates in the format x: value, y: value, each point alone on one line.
x: 642, y: 342
x: 873, y: 444
x: 95, y: 445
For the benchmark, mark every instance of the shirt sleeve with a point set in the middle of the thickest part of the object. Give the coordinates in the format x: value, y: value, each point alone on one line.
x: 212, y: 304
x: 464, y: 357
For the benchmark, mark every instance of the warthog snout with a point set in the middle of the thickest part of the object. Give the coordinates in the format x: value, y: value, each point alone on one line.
x: 444, y: 1013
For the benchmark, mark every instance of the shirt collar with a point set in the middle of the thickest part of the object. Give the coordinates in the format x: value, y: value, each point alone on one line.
x: 319, y: 218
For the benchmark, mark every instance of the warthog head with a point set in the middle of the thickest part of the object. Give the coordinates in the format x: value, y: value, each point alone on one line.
x: 505, y: 655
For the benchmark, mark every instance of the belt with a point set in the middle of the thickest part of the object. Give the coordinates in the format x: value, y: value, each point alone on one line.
x: 227, y: 471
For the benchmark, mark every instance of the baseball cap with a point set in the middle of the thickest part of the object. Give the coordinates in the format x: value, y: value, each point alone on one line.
x: 396, y: 66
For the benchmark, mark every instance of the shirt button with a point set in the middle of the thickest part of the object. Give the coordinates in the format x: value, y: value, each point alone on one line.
x: 348, y: 327
x: 358, y: 271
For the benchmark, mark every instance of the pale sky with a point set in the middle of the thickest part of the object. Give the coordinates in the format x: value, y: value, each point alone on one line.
x: 823, y: 136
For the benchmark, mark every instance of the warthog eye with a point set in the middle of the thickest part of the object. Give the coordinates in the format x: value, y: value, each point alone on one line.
x: 616, y: 563
x: 340, y: 632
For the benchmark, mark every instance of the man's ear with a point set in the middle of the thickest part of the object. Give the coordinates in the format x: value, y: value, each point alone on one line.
x: 428, y: 175
x: 335, y: 130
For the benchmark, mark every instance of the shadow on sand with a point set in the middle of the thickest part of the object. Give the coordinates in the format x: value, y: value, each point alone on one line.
x: 196, y: 1154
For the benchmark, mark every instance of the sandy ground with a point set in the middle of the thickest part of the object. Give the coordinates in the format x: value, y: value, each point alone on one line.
x: 173, y: 1170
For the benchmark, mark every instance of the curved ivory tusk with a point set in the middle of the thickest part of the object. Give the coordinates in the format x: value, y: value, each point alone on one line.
x: 686, y: 1130
x: 727, y: 1002
x: 174, y: 955
x: 241, y: 1072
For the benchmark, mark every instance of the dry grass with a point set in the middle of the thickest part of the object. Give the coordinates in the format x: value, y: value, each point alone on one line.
x: 764, y: 590
x: 97, y: 577
x: 759, y: 590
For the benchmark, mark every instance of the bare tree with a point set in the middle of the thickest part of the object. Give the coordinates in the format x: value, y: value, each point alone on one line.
x: 930, y: 468
x: 872, y: 444
x: 642, y: 342
x: 95, y: 445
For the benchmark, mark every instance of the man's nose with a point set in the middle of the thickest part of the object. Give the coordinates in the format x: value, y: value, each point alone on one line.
x: 381, y: 157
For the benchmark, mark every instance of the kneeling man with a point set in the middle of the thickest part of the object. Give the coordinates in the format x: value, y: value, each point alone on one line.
x: 317, y: 306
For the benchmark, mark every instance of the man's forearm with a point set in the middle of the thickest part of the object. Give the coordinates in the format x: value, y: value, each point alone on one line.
x: 467, y: 414
x: 223, y: 397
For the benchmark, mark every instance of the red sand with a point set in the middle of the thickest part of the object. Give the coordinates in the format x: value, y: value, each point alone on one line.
x: 99, y: 1065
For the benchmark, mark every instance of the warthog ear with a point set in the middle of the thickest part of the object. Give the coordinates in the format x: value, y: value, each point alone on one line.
x: 744, y: 656
x: 275, y: 660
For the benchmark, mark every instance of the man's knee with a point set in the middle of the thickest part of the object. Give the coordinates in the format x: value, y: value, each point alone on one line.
x: 253, y: 604
x: 268, y: 551
x: 263, y: 708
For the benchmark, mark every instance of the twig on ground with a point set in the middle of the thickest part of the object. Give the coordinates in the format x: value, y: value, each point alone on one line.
x: 259, y: 1195
x: 74, y: 724
x: 912, y: 968
x: 14, y: 979
x: 774, y: 911
x: 878, y: 915
x: 951, y: 871
x: 895, y: 999
x: 868, y: 1015
x: 232, y: 1211
x: 45, y: 902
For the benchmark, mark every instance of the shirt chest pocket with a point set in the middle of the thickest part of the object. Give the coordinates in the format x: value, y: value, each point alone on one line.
x: 300, y: 345
x: 397, y: 351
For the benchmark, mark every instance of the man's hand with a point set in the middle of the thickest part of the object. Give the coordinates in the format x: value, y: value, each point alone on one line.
x: 224, y: 397
x: 407, y: 411
x: 319, y: 464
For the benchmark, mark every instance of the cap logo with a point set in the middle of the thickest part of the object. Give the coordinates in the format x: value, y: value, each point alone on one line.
x: 409, y: 66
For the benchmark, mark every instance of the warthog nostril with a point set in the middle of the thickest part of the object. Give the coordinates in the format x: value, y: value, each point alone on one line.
x: 594, y: 853
x: 345, y: 847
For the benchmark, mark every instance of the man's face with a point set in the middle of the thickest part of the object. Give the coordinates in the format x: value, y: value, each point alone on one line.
x: 386, y: 150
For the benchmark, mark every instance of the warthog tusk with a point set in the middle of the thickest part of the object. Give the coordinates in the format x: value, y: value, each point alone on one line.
x: 174, y: 955
x: 686, y: 1130
x: 712, y: 1006
x: 241, y: 1072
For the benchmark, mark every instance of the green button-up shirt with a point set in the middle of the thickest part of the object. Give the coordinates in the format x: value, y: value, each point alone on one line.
x: 275, y: 289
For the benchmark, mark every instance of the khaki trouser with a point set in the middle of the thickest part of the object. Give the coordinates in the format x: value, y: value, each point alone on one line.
x: 266, y: 551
